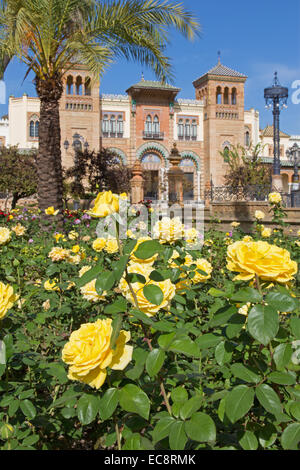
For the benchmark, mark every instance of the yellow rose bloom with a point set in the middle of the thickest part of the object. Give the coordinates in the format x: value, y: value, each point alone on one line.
x: 191, y: 235
x: 74, y: 259
x: 130, y: 234
x: 99, y: 244
x: 111, y: 246
x: 19, y: 230
x: 247, y: 239
x: 145, y: 306
x: 59, y: 236
x: 244, y: 309
x: 59, y: 254
x: 269, y: 262
x: 88, y: 352
x: 235, y: 224
x: 73, y: 235
x: 51, y: 211
x: 86, y: 238
x: 259, y: 215
x: 201, y: 264
x: 84, y: 270
x: 51, y: 285
x: 275, y: 198
x: 46, y: 304
x: 106, y: 204
x: 7, y: 299
x: 134, y: 259
x: 266, y: 233
x: 75, y: 249
x: 5, y: 235
x: 89, y: 292
x: 124, y: 196
x: 169, y: 230
x: 298, y: 233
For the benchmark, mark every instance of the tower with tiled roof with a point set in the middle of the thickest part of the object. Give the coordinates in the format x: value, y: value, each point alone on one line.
x: 222, y: 91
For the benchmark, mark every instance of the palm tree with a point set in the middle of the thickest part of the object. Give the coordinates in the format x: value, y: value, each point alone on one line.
x: 50, y: 36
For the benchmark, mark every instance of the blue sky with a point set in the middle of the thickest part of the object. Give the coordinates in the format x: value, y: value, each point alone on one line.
x: 255, y: 38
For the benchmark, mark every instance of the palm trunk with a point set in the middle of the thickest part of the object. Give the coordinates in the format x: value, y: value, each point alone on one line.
x: 49, y: 167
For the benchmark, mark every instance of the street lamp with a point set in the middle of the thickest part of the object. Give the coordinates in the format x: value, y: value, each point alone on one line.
x: 276, y: 96
x: 293, y: 155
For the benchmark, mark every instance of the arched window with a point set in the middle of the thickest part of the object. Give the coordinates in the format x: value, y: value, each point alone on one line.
x: 120, y: 126
x: 70, y: 85
x: 87, y: 86
x: 187, y: 129
x: 180, y: 129
x: 79, y: 85
x: 112, y: 125
x: 194, y: 129
x: 226, y: 154
x: 233, y: 96
x: 219, y: 95
x: 36, y: 129
x: 247, y: 139
x: 156, y: 125
x: 226, y: 96
x: 148, y: 125
x: 105, y: 125
x: 31, y: 129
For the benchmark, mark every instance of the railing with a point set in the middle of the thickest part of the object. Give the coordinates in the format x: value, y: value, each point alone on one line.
x: 291, y: 199
x: 112, y: 135
x: 153, y: 135
x: 238, y: 193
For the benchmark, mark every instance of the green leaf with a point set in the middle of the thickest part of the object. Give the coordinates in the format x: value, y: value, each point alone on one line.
x: 186, y: 346
x: 139, y: 356
x: 135, y: 277
x: 222, y: 316
x: 216, y: 293
x: 105, y: 281
x: 282, y: 355
x: 247, y: 440
x: 201, y: 428
x: 223, y: 352
x: 155, y: 361
x: 162, y: 428
x: 148, y: 249
x: 156, y: 276
x: 263, y: 323
x: 291, y: 437
x: 119, y: 267
x: 179, y: 395
x: 142, y: 317
x: 208, y: 340
x: 31, y: 440
x: 28, y: 409
x: 282, y: 302
x: 116, y: 328
x: 267, y: 435
x: 282, y: 378
x: 134, y: 400
x: 119, y: 306
x: 87, y: 408
x: 247, y: 294
x: 165, y: 341
x: 190, y: 407
x: 295, y: 410
x: 180, y: 299
x: 137, y: 442
x: 13, y: 407
x: 246, y: 373
x: 2, y: 353
x: 268, y: 399
x: 235, y: 325
x: 177, y: 436
x: 238, y: 402
x: 295, y: 327
x: 90, y: 275
x: 153, y: 294
x: 108, y: 403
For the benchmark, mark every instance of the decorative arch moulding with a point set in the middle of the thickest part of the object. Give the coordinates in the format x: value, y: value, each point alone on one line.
x: 192, y: 156
x: 119, y: 153
x: 153, y: 146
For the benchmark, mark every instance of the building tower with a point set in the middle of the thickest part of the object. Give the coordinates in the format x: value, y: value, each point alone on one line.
x: 222, y: 91
x: 79, y: 110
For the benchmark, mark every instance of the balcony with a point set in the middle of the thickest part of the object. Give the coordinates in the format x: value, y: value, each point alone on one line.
x: 112, y: 135
x: 153, y: 135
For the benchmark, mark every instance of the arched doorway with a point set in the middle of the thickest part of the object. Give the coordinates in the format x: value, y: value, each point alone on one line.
x: 151, y: 164
x: 189, y: 169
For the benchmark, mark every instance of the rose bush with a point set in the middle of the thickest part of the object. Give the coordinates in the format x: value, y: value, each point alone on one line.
x: 147, y: 343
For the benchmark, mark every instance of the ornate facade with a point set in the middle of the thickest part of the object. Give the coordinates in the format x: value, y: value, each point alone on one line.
x: 144, y: 123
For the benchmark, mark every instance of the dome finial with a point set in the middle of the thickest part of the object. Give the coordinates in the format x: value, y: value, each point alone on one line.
x: 219, y: 57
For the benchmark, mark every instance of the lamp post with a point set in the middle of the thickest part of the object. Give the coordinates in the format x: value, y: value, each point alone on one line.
x: 77, y: 146
x: 276, y: 96
x: 293, y: 155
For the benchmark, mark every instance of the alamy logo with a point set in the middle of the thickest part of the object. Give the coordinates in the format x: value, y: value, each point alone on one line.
x: 296, y: 93
x: 2, y: 92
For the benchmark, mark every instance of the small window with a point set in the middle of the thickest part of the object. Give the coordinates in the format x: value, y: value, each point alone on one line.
x: 156, y: 125
x: 194, y: 129
x: 219, y: 95
x: 233, y: 96
x: 226, y: 96
x: 113, y: 124
x: 187, y: 129
x: 180, y: 129
x: 247, y: 139
x: 87, y: 87
x: 120, y: 125
x: 31, y: 129
x: 70, y: 85
x: 105, y: 124
x: 79, y: 85
x: 148, y: 125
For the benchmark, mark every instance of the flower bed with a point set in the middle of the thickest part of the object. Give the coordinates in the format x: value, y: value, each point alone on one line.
x: 145, y: 342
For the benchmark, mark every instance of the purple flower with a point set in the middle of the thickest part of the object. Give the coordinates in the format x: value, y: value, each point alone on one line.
x: 33, y: 217
x: 87, y: 225
x: 230, y: 234
x: 86, y: 217
x: 77, y: 221
x: 30, y: 240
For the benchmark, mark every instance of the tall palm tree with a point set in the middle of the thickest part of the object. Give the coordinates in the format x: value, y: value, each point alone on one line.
x: 49, y: 36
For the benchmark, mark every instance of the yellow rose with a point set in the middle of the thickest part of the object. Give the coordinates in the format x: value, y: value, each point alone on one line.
x: 298, y: 233
x: 73, y: 235
x: 130, y: 234
x: 5, y: 235
x: 19, y: 230
x: 86, y: 238
x: 59, y: 236
x: 247, y: 239
x: 235, y: 224
x: 59, y: 254
x: 269, y: 262
x: 106, y: 203
x: 169, y: 230
x: 124, y: 196
x: 51, y: 211
x: 168, y: 290
x: 51, y: 285
x: 111, y: 246
x: 275, y: 198
x: 266, y: 233
x: 202, y: 265
x: 74, y: 259
x: 134, y: 259
x: 89, y: 292
x: 46, y: 304
x: 7, y: 299
x: 191, y: 235
x: 88, y: 352
x: 259, y: 215
x: 99, y: 244
x: 75, y: 249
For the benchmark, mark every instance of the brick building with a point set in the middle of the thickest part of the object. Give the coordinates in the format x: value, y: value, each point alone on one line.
x: 145, y: 122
